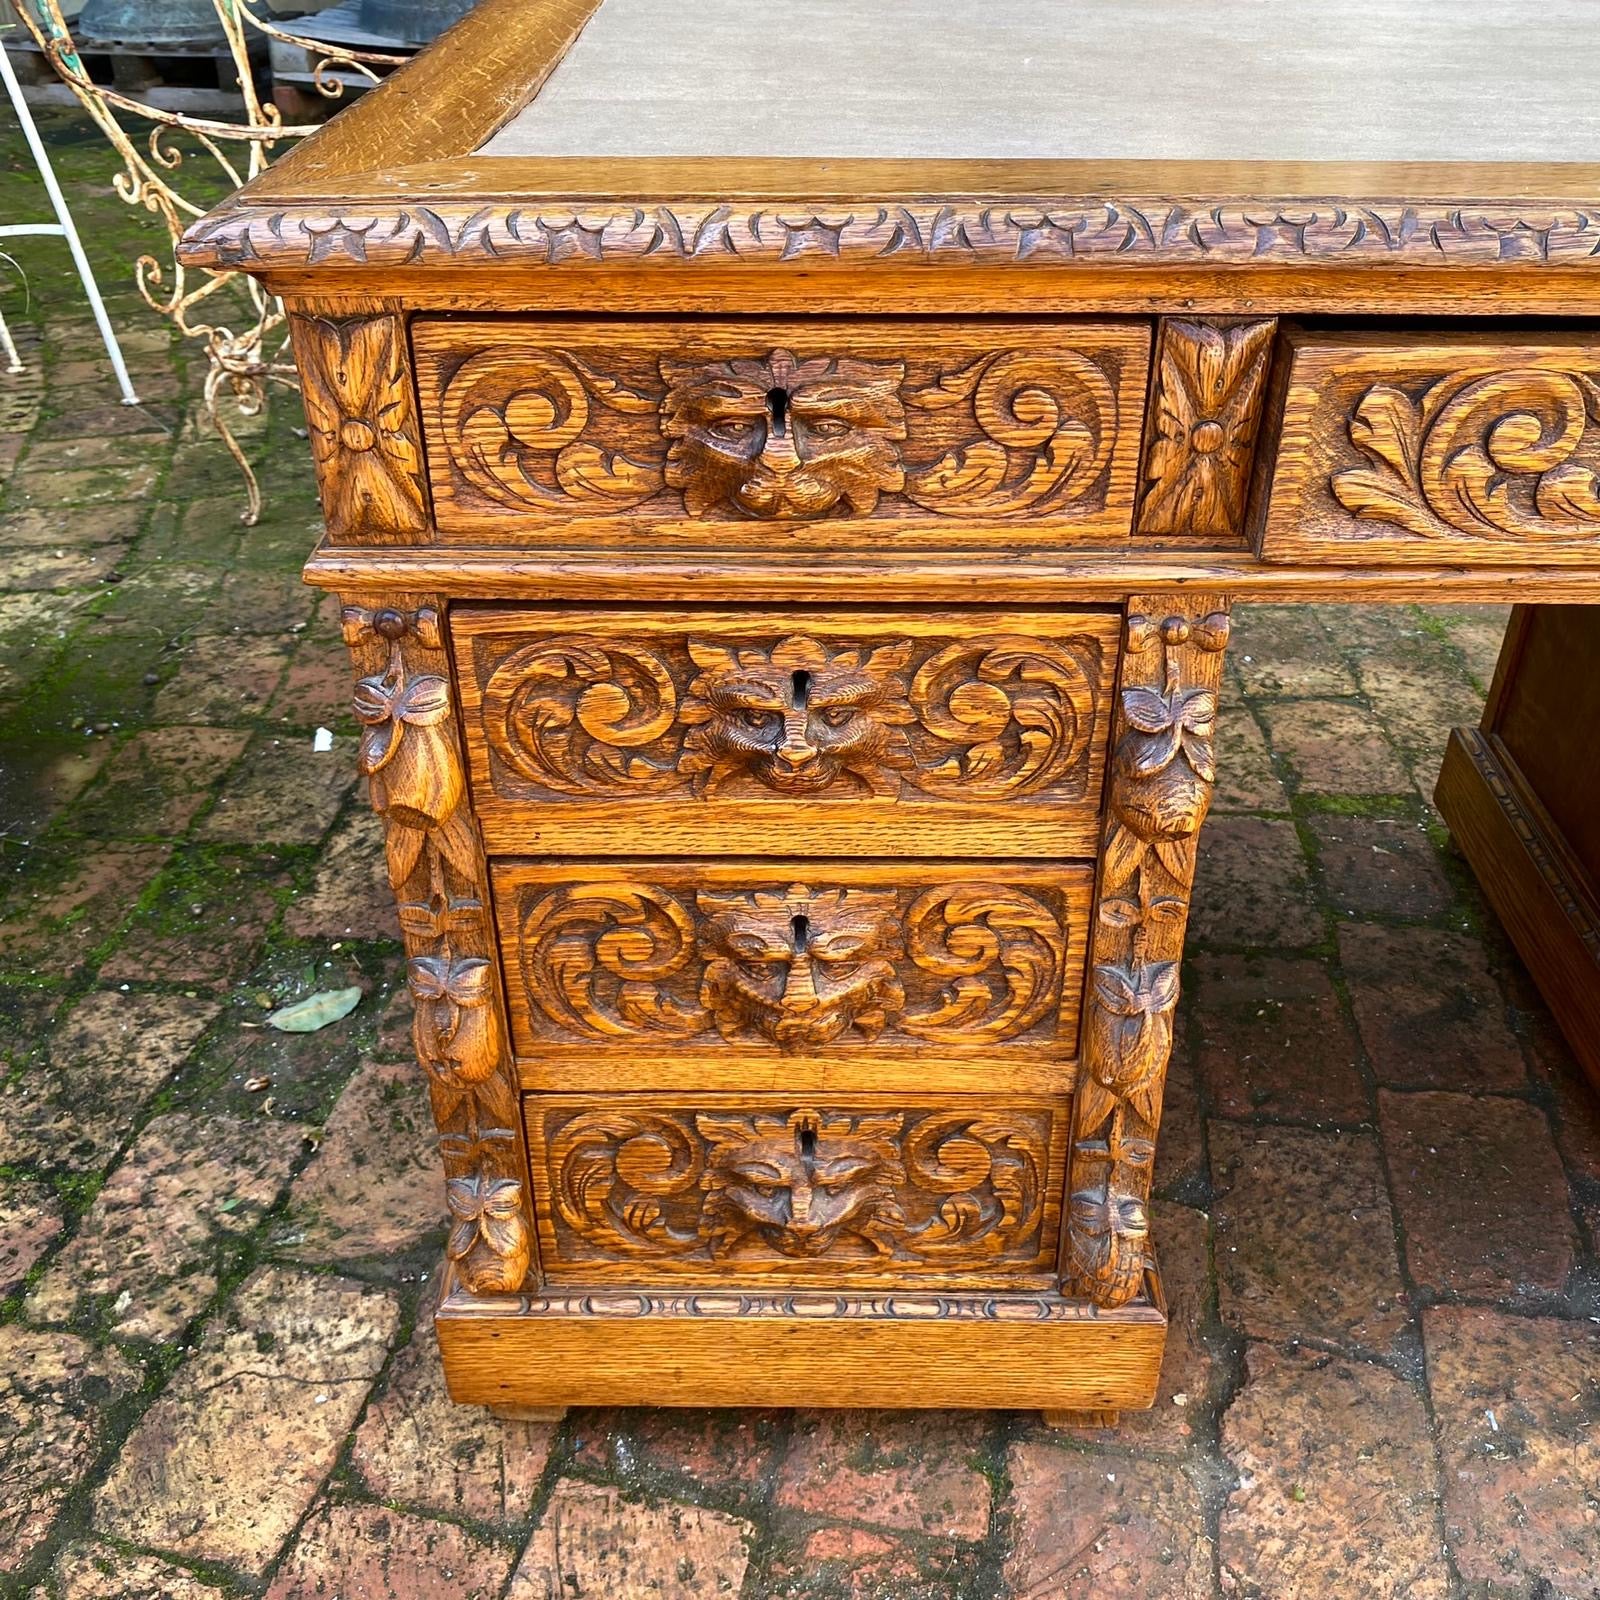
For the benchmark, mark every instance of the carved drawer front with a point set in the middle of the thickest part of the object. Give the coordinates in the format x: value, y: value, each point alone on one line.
x: 1458, y: 449
x: 568, y: 432
x: 688, y: 733
x: 729, y: 1189
x: 741, y: 974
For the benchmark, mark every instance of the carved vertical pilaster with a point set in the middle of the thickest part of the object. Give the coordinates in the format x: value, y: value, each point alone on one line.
x: 1163, y: 769
x: 355, y: 374
x: 412, y: 759
x: 1211, y: 378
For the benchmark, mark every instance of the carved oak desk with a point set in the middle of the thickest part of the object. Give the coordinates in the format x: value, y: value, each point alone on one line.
x: 787, y: 471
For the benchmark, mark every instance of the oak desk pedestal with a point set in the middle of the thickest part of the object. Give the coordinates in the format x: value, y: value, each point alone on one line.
x: 1522, y: 797
x: 787, y: 543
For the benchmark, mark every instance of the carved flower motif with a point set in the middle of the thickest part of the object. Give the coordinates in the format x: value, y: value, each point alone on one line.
x: 1130, y: 1038
x: 1168, y: 764
x: 406, y: 751
x: 488, y: 1233
x: 1207, y: 401
x: 455, y: 1029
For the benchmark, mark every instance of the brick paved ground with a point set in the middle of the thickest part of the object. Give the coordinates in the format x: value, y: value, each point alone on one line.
x: 1381, y: 1180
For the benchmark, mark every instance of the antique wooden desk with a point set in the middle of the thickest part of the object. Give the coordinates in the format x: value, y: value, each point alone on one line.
x: 787, y: 470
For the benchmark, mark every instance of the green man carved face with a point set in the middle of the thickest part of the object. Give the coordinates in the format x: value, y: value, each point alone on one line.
x: 783, y: 438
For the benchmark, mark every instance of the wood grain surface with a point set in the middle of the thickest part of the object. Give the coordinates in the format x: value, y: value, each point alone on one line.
x: 1545, y: 897
x: 743, y: 1348
x: 938, y: 580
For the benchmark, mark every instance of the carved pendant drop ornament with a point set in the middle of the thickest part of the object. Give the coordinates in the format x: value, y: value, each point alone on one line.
x: 1163, y: 769
x: 411, y: 759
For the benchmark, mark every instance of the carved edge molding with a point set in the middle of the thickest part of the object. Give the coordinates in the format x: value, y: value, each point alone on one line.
x: 1139, y: 229
x: 362, y: 415
x: 411, y: 757
x: 1211, y: 378
x: 1163, y: 770
x: 802, y: 1305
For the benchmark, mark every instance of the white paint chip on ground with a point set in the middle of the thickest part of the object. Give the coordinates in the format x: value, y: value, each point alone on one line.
x: 322, y: 741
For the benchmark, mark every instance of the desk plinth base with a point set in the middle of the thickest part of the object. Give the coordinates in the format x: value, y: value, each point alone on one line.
x: 738, y: 1347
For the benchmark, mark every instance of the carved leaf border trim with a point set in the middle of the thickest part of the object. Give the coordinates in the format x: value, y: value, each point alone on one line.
x: 1042, y: 230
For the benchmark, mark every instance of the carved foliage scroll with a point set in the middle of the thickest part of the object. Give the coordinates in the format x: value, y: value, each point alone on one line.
x: 639, y: 958
x: 410, y: 755
x: 793, y: 1191
x: 1163, y: 772
x: 1210, y: 381
x: 1455, y: 448
x: 363, y: 424
x: 795, y: 427
x: 1506, y: 455
x: 990, y: 717
x: 526, y: 437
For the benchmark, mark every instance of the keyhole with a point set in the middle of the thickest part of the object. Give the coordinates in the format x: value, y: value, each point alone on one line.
x: 800, y: 688
x: 778, y: 408
x: 800, y: 926
x: 808, y: 1142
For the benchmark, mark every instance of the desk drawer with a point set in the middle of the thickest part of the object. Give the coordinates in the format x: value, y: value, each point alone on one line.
x: 727, y: 1189
x: 814, y: 432
x: 798, y: 974
x: 1456, y: 449
x: 771, y: 733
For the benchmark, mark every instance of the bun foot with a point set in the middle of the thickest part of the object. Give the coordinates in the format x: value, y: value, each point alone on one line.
x: 1081, y: 1419
x: 527, y: 1413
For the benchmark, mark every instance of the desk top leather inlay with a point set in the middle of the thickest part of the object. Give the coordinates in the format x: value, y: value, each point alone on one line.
x: 1287, y: 80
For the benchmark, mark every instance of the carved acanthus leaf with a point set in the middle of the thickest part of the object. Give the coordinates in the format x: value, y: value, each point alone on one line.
x: 1508, y: 455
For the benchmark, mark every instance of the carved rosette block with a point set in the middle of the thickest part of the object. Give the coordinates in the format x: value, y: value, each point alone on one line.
x: 365, y: 436
x: 722, y: 1184
x: 1211, y: 377
x: 411, y: 758
x: 1163, y: 769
